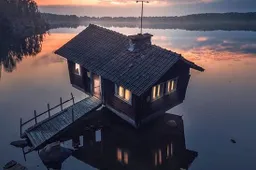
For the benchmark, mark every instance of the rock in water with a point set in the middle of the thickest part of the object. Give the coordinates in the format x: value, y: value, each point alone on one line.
x: 54, y: 155
x: 13, y: 165
x: 232, y: 140
x: 20, y: 143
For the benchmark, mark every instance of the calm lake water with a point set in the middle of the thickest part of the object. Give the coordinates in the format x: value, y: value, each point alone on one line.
x: 220, y: 103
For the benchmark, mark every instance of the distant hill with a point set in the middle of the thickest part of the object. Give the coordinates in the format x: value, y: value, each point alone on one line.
x: 207, y: 21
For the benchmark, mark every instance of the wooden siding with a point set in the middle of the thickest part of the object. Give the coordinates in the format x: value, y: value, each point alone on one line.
x: 148, y: 108
x: 80, y: 82
x: 117, y: 103
x: 141, y: 108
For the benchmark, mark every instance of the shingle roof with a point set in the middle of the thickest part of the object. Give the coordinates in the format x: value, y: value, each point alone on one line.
x: 106, y: 53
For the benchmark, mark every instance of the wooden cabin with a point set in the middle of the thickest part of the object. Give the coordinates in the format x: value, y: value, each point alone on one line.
x: 132, y: 77
x: 160, y: 145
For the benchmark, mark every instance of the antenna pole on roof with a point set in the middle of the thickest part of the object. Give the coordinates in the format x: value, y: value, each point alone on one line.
x: 142, y: 5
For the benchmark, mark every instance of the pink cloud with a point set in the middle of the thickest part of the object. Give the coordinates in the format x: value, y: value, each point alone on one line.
x: 202, y: 39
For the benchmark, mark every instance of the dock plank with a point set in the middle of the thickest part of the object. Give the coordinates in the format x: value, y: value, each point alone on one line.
x: 41, y: 133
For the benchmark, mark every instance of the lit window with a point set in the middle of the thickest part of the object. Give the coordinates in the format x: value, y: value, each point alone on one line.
x: 121, y: 91
x: 157, y: 91
x: 88, y: 74
x: 77, y: 69
x: 119, y: 155
x: 122, y: 156
x: 171, y: 86
x: 124, y: 94
x: 126, y: 158
x: 127, y: 95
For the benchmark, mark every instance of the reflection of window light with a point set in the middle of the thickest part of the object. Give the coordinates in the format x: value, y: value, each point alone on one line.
x: 122, y: 156
x: 119, y: 155
x: 167, y: 151
x: 126, y: 158
x: 160, y: 156
x: 171, y: 149
x: 155, y: 159
x: 77, y: 69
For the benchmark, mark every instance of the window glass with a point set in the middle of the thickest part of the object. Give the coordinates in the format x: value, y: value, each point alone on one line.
x: 88, y: 74
x: 127, y: 95
x: 123, y: 94
x: 119, y: 154
x: 77, y: 69
x: 121, y: 91
x: 157, y: 91
x: 154, y: 92
x: 171, y: 85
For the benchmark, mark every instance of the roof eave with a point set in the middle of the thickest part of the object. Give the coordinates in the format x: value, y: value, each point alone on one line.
x: 193, y: 65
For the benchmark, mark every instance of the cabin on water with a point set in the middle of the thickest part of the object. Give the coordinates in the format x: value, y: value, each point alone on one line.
x: 132, y: 77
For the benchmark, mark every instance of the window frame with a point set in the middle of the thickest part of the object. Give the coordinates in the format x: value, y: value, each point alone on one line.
x: 161, y: 92
x: 175, y: 80
x: 79, y: 71
x: 122, y: 156
x: 124, y: 91
x: 89, y: 74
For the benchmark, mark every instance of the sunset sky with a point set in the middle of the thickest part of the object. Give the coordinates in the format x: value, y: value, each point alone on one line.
x: 154, y: 8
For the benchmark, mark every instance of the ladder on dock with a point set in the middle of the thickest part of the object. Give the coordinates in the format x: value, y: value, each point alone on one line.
x: 41, y: 132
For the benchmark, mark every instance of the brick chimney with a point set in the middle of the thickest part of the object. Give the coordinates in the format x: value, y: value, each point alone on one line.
x: 139, y: 41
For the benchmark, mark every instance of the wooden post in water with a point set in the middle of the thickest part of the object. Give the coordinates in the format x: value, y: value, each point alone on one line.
x: 48, y: 107
x: 73, y: 118
x: 24, y: 155
x: 73, y: 99
x: 61, y: 105
x: 20, y: 127
x: 35, y: 116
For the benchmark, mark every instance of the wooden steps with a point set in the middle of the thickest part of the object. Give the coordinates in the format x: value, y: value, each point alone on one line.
x: 47, y: 129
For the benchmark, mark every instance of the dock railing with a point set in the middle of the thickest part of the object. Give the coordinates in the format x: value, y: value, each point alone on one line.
x: 48, y: 111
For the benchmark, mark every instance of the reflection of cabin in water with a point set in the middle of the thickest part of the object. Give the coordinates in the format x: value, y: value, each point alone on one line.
x: 160, y: 145
x: 132, y: 77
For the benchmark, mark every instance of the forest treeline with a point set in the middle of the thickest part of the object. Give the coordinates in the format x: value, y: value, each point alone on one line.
x: 21, y: 18
x: 207, y: 21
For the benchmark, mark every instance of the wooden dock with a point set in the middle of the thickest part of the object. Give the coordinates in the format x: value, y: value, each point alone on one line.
x: 42, y: 132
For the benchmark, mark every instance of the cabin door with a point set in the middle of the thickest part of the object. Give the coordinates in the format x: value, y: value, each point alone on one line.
x: 97, y: 86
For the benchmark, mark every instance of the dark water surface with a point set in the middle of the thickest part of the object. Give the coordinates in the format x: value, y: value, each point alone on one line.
x: 219, y: 104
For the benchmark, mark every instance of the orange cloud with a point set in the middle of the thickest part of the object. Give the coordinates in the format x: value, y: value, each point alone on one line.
x: 201, y: 39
